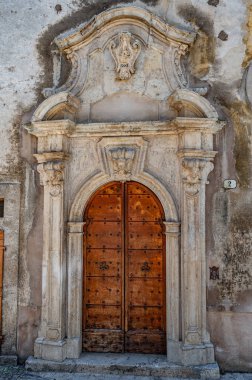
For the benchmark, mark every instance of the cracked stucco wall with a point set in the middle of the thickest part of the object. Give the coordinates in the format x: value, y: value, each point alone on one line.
x: 220, y: 59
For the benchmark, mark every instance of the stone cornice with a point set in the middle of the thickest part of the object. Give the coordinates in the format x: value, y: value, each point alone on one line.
x: 197, y: 154
x: 212, y: 125
x: 90, y: 30
x: 140, y: 128
x: 51, y: 157
x: 51, y: 127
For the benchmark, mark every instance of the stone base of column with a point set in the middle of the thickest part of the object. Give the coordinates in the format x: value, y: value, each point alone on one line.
x: 198, y: 355
x: 180, y: 353
x: 50, y: 350
x: 74, y: 348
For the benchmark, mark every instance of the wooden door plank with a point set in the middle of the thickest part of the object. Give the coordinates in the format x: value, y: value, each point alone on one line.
x: 103, y: 322
x: 145, y: 276
x: 103, y: 341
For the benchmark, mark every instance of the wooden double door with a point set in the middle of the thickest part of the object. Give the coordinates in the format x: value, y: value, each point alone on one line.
x: 124, y: 271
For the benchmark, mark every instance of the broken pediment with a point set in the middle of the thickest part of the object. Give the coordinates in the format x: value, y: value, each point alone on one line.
x: 126, y: 52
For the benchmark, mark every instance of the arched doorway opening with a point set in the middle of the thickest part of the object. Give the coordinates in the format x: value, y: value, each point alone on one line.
x: 124, y: 301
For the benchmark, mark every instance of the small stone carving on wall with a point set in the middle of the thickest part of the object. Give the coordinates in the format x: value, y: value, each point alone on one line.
x: 122, y: 159
x: 52, y: 175
x: 125, y: 55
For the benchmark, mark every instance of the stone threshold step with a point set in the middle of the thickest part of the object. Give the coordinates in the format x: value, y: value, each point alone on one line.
x: 8, y: 360
x: 125, y: 364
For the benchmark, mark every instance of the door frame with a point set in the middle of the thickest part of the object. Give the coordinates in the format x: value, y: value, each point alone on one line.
x: 75, y: 259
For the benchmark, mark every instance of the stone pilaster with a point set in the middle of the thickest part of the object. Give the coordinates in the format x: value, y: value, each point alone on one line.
x: 74, y: 301
x: 196, y: 346
x: 172, y: 232
x: 51, y: 344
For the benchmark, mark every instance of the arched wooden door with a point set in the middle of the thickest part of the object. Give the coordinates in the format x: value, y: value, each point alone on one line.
x: 124, y: 271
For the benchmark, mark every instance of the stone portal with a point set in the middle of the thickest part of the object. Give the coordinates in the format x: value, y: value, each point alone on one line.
x: 137, y: 121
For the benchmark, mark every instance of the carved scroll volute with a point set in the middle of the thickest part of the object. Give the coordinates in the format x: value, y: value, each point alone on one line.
x: 52, y: 175
x: 125, y: 55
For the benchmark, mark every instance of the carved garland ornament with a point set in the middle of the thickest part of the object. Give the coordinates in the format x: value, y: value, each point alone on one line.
x: 125, y: 55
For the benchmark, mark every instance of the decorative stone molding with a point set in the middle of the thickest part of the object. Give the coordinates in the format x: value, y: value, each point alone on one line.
x: 177, y: 41
x: 61, y: 102
x: 100, y: 179
x: 194, y: 172
x: 125, y: 54
x: 122, y: 158
x: 75, y: 256
x: 133, y: 15
x: 180, y: 51
x: 183, y: 99
x: 52, y: 175
x: 51, y: 170
x: 179, y: 125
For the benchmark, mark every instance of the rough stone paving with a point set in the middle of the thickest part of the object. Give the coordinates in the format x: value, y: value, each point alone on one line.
x: 19, y: 372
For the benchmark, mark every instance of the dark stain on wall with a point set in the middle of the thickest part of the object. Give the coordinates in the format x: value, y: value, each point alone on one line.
x: 28, y: 323
x: 237, y: 272
x: 241, y: 117
x: 202, y: 52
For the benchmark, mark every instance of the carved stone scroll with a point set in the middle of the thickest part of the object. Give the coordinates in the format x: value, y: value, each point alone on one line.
x: 125, y: 55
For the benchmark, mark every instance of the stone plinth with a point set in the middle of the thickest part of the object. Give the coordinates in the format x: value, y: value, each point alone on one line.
x: 125, y: 364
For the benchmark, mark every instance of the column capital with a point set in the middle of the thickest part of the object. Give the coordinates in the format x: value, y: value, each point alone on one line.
x: 172, y: 228
x: 51, y: 169
x: 52, y: 175
x: 195, y: 168
x: 75, y: 227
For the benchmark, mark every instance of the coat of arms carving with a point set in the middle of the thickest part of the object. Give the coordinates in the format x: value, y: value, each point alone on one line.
x: 125, y: 55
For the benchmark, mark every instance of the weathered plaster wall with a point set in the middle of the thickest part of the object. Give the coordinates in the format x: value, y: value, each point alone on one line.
x: 219, y: 59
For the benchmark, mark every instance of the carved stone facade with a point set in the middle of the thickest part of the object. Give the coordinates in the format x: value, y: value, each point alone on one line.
x: 122, y: 150
x: 123, y: 158
x: 124, y: 106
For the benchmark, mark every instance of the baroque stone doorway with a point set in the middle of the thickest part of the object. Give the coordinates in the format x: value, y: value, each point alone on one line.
x: 89, y: 135
x: 124, y: 271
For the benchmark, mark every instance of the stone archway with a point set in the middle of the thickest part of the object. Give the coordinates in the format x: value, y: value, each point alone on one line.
x: 75, y: 257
